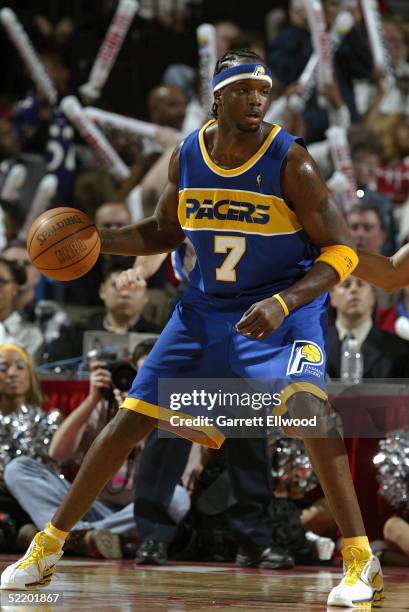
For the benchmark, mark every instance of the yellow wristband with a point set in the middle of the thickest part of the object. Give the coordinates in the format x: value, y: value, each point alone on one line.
x: 283, y: 305
x: 340, y: 257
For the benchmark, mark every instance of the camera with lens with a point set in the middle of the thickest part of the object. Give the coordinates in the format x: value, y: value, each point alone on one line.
x: 123, y: 374
x: 122, y: 370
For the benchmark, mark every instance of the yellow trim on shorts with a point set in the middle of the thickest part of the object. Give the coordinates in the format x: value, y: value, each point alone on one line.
x: 207, y: 435
x: 297, y: 387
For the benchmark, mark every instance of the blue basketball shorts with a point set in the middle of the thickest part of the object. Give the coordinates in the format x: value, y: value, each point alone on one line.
x: 200, y: 341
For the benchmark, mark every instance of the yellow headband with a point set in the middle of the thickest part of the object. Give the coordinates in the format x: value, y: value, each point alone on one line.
x: 17, y: 349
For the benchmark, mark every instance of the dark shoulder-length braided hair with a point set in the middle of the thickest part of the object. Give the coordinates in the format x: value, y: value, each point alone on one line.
x: 230, y: 59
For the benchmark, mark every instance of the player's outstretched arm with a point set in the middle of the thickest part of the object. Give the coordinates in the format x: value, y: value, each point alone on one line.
x: 160, y: 233
x: 387, y: 273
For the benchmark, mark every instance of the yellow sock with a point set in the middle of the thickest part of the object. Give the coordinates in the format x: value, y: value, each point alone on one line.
x: 55, y: 533
x: 359, y: 541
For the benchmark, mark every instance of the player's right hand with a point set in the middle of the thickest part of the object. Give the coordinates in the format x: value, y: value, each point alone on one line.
x: 129, y: 279
x: 99, y: 379
x: 261, y: 319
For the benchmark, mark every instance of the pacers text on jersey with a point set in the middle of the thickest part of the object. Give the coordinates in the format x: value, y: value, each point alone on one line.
x: 230, y: 210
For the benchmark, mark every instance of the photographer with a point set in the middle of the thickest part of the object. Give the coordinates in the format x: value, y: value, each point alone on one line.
x: 40, y: 489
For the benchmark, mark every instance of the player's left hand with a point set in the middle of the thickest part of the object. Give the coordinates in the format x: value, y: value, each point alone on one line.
x: 261, y: 319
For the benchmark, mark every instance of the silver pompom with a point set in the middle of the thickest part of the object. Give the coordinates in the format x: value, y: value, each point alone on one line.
x: 292, y: 471
x: 392, y: 462
x: 27, y: 432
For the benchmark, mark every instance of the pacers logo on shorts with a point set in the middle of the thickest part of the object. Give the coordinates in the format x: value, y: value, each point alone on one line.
x: 304, y: 354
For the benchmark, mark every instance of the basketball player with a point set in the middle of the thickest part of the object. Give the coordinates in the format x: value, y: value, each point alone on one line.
x: 270, y: 243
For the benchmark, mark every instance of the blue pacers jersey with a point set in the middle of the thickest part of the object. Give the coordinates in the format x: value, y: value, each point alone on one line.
x: 245, y: 236
x: 249, y: 244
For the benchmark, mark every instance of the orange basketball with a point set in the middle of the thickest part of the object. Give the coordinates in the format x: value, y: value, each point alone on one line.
x: 63, y: 243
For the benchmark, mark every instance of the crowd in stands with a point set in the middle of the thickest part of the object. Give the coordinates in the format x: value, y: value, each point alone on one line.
x: 43, y: 323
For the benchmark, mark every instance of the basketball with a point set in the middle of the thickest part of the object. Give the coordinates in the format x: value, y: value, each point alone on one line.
x: 63, y: 243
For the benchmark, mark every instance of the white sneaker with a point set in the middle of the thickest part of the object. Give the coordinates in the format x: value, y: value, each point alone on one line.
x: 362, y: 583
x: 36, y: 567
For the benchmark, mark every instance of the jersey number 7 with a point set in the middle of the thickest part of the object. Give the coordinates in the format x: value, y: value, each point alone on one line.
x: 235, y: 247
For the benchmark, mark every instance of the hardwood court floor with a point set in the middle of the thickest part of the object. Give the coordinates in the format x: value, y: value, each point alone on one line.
x: 87, y: 584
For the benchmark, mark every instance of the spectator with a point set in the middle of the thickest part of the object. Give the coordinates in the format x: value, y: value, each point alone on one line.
x: 331, y: 9
x: 58, y: 33
x: 131, y: 189
x: 128, y: 146
x: 290, y: 53
x: 25, y: 302
x: 28, y: 432
x: 122, y: 314
x: 46, y: 315
x: 393, y: 172
x: 366, y: 223
x: 145, y: 196
x: 398, y: 53
x: 11, y: 155
x: 252, y: 40
x: 384, y: 355
x: 185, y: 76
x: 43, y: 129
x: 11, y: 220
x: 367, y: 226
x: 93, y: 188
x: 292, y: 47
x: 9, y: 147
x: 112, y: 215
x: 396, y: 534
x: 226, y: 31
x: 12, y: 326
x: 394, y: 96
x: 40, y: 488
x: 123, y: 309
x: 354, y: 64
x: 167, y: 106
x: 365, y: 155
